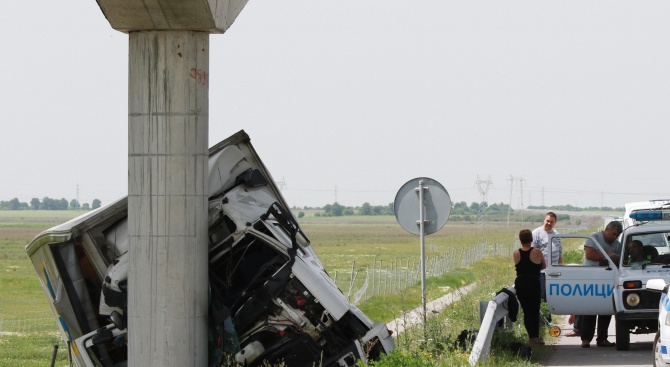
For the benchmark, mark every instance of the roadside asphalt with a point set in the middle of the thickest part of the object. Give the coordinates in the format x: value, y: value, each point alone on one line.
x: 568, y: 351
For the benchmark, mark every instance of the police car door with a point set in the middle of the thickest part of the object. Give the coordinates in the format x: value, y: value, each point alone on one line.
x: 578, y: 289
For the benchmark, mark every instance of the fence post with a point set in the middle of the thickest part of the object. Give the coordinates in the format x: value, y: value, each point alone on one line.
x: 367, y: 276
x: 415, y: 272
x: 395, y: 276
x: 386, y: 279
x: 407, y: 275
x: 391, y: 288
x: 379, y: 282
x: 374, y: 271
x: 54, y: 355
x: 351, y: 280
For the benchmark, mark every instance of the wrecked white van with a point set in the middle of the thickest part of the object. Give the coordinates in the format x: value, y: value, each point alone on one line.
x: 271, y: 301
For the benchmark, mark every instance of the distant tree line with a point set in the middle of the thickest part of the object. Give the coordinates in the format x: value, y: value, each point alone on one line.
x: 338, y: 210
x: 462, y: 208
x: 460, y: 211
x: 577, y: 209
x: 48, y: 203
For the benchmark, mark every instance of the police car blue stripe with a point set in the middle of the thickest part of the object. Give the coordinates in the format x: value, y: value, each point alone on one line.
x: 665, y: 301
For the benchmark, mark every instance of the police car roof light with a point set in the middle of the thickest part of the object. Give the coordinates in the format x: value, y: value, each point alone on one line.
x: 651, y: 215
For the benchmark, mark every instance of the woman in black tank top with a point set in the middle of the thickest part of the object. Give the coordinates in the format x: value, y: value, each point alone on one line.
x: 529, y: 262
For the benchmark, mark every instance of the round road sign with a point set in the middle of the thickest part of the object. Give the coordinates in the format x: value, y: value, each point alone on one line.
x: 437, y: 205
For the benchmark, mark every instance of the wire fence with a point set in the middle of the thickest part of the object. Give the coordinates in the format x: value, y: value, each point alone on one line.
x: 37, y: 326
x: 393, y: 277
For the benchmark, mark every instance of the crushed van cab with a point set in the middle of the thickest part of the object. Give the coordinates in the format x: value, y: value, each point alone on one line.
x: 271, y: 300
x: 618, y: 286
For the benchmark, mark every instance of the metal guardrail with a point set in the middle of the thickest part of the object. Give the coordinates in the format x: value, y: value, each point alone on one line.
x: 497, y: 310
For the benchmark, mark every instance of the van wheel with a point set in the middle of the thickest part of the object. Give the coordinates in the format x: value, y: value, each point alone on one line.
x: 622, y: 335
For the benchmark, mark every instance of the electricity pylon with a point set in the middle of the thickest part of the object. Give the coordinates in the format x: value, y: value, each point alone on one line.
x: 521, y: 180
x: 483, y: 187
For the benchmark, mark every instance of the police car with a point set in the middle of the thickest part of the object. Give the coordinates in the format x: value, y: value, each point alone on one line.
x: 618, y: 286
x: 662, y: 339
x: 271, y: 301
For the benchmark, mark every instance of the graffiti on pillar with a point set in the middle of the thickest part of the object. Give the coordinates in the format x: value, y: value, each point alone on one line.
x: 200, y: 76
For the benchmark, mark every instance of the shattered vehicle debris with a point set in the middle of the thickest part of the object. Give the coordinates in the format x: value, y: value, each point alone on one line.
x: 271, y: 300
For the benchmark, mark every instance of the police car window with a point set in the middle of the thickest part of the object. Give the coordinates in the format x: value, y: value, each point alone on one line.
x: 654, y: 247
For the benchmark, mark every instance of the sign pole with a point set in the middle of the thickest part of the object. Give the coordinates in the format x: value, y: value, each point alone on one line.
x: 423, y: 254
x: 434, y: 206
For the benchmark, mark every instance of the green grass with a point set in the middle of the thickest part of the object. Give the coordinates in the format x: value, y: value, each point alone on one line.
x: 21, y: 290
x: 492, y: 274
x: 340, y: 240
x: 438, y: 349
x: 31, y: 350
x: 390, y: 306
x: 28, y: 328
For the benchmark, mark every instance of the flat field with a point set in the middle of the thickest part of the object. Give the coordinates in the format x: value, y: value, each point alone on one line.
x: 28, y: 329
x: 20, y: 288
x: 340, y: 240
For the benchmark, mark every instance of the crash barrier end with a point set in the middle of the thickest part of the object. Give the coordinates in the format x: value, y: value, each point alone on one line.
x: 495, y: 310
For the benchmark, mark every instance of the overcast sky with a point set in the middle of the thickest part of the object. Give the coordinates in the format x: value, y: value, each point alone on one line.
x: 348, y: 100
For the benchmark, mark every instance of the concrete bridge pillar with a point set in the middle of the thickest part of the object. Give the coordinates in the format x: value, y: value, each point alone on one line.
x: 167, y: 200
x: 168, y: 123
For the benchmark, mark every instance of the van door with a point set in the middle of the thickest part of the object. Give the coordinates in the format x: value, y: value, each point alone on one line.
x: 578, y: 289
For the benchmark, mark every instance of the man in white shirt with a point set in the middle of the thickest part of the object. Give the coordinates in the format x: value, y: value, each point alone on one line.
x: 541, y: 241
